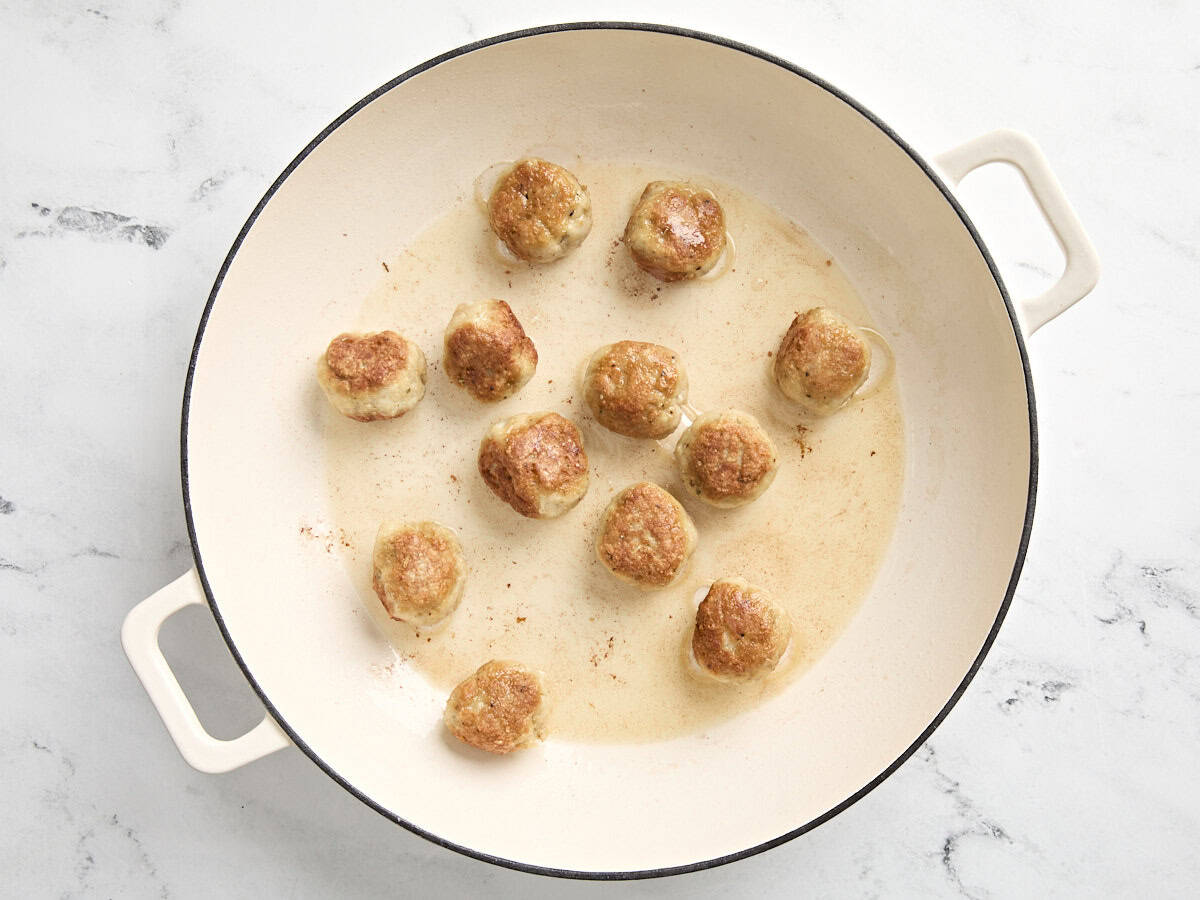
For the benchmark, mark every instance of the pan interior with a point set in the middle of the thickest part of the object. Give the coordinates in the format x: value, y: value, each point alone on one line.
x: 257, y: 467
x: 615, y: 655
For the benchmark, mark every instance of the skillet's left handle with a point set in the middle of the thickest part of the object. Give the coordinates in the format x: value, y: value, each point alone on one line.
x: 1083, y: 264
x: 139, y: 637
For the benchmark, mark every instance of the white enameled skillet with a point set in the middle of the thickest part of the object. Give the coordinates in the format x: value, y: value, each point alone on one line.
x: 253, y: 465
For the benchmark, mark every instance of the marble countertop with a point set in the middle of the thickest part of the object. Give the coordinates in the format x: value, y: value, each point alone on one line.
x: 139, y: 135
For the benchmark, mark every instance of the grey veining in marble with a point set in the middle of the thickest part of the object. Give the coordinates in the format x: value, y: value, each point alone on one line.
x: 137, y: 137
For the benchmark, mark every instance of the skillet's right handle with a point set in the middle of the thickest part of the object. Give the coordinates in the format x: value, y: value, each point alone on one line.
x: 1083, y: 264
x: 139, y: 637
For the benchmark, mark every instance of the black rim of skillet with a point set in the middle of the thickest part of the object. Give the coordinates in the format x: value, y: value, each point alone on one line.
x: 1017, y: 564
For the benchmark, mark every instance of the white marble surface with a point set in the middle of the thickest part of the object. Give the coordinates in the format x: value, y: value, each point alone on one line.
x: 1069, y: 769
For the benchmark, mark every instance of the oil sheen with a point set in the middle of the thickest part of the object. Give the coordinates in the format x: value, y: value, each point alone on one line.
x: 614, y: 654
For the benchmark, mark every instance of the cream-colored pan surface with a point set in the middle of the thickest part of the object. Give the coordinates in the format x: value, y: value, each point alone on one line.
x: 283, y: 551
x: 537, y: 591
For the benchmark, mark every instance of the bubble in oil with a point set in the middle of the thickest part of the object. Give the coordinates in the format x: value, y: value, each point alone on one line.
x: 883, y: 364
x: 690, y: 414
x: 581, y: 370
x: 501, y: 252
x: 486, y: 181
x: 724, y: 262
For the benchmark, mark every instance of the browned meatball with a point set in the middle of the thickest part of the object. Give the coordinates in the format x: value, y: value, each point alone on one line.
x: 500, y: 708
x: 676, y: 231
x: 636, y: 389
x: 646, y: 536
x: 487, y: 351
x: 418, y: 571
x: 822, y: 361
x: 540, y: 211
x: 535, y: 463
x: 726, y: 458
x: 379, y: 375
x: 739, y: 635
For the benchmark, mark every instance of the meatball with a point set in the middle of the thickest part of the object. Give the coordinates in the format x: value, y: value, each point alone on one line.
x: 487, y: 351
x: 500, y: 708
x: 535, y: 463
x: 646, y: 536
x: 419, y: 571
x: 380, y: 375
x: 540, y: 211
x: 739, y: 635
x: 635, y: 389
x: 677, y: 231
x: 822, y: 361
x: 726, y: 458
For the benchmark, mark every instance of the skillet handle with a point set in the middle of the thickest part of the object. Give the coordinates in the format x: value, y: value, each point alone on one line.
x: 1083, y: 265
x: 202, y: 751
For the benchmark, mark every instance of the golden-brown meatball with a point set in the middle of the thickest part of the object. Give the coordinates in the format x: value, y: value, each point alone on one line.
x: 739, y: 635
x: 676, y: 231
x: 500, y: 708
x: 379, y: 375
x: 635, y: 388
x: 487, y: 351
x: 540, y: 211
x: 646, y: 536
x: 419, y: 571
x: 726, y: 458
x: 822, y: 361
x: 535, y: 463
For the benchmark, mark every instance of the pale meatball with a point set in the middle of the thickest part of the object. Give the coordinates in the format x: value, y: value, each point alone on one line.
x: 535, y: 463
x: 739, y: 635
x: 500, y: 708
x: 487, y: 351
x: 822, y: 361
x: 726, y: 458
x: 540, y: 211
x: 636, y: 389
x: 646, y: 536
x: 676, y: 231
x: 419, y: 571
x: 380, y: 375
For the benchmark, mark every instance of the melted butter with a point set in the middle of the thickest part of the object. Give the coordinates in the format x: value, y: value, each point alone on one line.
x: 535, y: 591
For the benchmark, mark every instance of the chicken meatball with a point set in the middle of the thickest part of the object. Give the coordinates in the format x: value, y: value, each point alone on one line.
x: 822, y: 361
x: 500, y: 708
x: 535, y: 463
x: 739, y: 635
x: 380, y: 375
x: 635, y: 389
x: 646, y: 536
x: 419, y: 571
x: 726, y: 458
x: 677, y: 231
x: 487, y: 351
x: 540, y: 211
